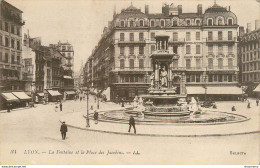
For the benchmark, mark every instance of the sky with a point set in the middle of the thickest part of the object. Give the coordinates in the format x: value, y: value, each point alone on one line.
x: 81, y: 22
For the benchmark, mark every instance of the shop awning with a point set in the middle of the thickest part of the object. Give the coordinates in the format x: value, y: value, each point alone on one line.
x: 67, y: 77
x: 9, y: 97
x: 54, y: 92
x: 195, y: 90
x: 227, y: 90
x: 257, y: 89
x: 70, y: 92
x: 21, y: 95
x: 40, y: 94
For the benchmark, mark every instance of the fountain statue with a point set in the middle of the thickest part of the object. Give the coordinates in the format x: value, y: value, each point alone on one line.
x: 164, y: 75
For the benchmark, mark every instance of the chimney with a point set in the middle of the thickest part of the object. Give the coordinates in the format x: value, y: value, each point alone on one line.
x: 248, y: 30
x: 179, y: 9
x: 165, y: 9
x: 241, y: 31
x: 146, y: 9
x: 228, y: 8
x: 199, y: 9
x: 257, y: 24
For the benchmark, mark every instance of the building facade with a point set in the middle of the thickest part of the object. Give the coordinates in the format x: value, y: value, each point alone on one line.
x: 204, y: 42
x: 10, y: 48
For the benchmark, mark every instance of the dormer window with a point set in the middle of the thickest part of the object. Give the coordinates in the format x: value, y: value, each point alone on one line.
x: 197, y: 22
x: 188, y: 22
x: 174, y: 23
x: 220, y: 22
x: 230, y: 21
x: 152, y: 23
x: 122, y: 24
x: 162, y: 23
x: 141, y: 23
x: 210, y: 22
x: 131, y: 23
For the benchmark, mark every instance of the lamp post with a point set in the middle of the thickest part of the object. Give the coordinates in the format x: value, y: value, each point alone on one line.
x: 205, y: 87
x: 87, y: 119
x: 97, y: 101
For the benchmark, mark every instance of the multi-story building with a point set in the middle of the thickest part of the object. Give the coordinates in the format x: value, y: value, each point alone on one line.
x: 249, y: 46
x: 10, y: 47
x: 204, y: 43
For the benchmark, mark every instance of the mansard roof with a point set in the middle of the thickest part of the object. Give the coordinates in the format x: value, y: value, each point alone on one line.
x: 130, y: 12
x: 216, y: 8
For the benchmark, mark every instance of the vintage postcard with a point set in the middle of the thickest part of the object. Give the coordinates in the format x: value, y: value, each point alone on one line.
x: 129, y: 82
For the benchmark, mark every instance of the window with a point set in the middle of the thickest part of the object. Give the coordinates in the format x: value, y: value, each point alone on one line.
x: 187, y: 36
x: 197, y: 35
x: 210, y: 35
x: 6, y: 27
x: 188, y: 22
x: 210, y: 63
x: 175, y: 49
x: 122, y: 50
x: 230, y: 21
x: 210, y: 48
x: 122, y: 24
x: 1, y: 40
x: 152, y: 23
x: 122, y: 64
x: 1, y: 57
x: 197, y: 49
x: 197, y: 22
x: 187, y: 77
x: 6, y: 57
x: 1, y: 25
x: 18, y: 45
x: 152, y: 48
x: 229, y: 35
x: 220, y: 49
x: 131, y: 36
x: 219, y: 35
x: 187, y: 49
x: 197, y: 78
x: 220, y: 22
x: 131, y: 23
x: 220, y: 63
x: 12, y: 59
x: 198, y: 63
x: 141, y: 23
x: 12, y: 29
x: 188, y: 63
x: 141, y: 36
x: 210, y: 22
x: 63, y: 48
x: 153, y: 36
x: 175, y: 36
x: 131, y: 50
x: 175, y: 64
x: 141, y: 50
x: 6, y: 42
x: 230, y: 63
x: 229, y: 78
x: 210, y: 78
x: 162, y: 23
x: 131, y: 63
x: 12, y: 43
x: 122, y: 37
x: 141, y: 63
x: 174, y: 23
x: 230, y: 48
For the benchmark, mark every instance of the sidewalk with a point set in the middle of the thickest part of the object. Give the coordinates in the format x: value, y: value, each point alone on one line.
x: 77, y: 120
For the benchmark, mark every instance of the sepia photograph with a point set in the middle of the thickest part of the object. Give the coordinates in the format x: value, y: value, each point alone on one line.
x: 129, y: 82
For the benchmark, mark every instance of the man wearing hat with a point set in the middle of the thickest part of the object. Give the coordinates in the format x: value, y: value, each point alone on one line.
x: 63, y: 130
x: 132, y: 123
x: 96, y: 116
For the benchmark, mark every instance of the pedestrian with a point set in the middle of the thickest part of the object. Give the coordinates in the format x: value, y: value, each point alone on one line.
x: 96, y: 117
x: 8, y: 107
x: 91, y: 107
x: 60, y: 106
x: 233, y: 108
x: 132, y: 123
x: 56, y: 108
x: 123, y: 104
x: 248, y: 104
x: 95, y: 99
x: 257, y: 102
x: 63, y: 130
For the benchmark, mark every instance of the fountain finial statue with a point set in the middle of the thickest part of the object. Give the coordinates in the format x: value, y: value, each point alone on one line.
x: 164, y: 75
x: 152, y: 80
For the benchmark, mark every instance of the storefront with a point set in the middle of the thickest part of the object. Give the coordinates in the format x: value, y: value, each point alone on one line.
x: 70, y: 95
x: 8, y: 99
x: 23, y: 97
x: 39, y: 97
x: 54, y: 95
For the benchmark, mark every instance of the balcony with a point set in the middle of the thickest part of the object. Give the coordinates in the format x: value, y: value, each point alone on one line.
x: 177, y: 41
x: 143, y: 42
x: 223, y: 68
x: 210, y: 41
x: 132, y: 69
x: 12, y: 17
x: 188, y: 69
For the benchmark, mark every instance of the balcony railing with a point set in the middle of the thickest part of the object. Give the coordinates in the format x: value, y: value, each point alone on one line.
x: 179, y: 40
x: 189, y: 68
x: 132, y: 42
x: 132, y: 69
x: 222, y: 68
x: 232, y: 40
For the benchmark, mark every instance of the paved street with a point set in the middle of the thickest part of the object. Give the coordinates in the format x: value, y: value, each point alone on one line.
x: 38, y: 129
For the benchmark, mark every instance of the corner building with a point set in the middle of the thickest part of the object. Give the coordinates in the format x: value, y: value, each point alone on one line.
x: 204, y: 43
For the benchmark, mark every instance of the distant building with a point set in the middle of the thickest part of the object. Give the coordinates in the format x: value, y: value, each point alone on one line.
x: 205, y: 44
x: 11, y: 48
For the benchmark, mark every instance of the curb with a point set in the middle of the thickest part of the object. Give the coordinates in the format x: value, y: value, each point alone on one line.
x: 157, y: 135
